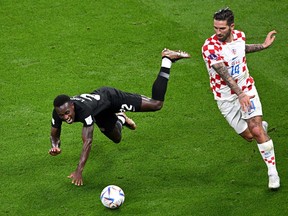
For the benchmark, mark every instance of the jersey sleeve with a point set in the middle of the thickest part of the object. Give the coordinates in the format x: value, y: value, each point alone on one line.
x: 88, y: 121
x: 56, y: 122
x: 211, y: 53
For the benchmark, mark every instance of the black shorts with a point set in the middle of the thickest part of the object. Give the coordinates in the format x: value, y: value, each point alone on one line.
x: 119, y: 102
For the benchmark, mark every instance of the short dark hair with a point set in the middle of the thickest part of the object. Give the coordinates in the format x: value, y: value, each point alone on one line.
x: 60, y: 100
x: 224, y: 14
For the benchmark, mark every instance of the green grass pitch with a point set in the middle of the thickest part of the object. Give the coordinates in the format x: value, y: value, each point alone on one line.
x: 183, y: 160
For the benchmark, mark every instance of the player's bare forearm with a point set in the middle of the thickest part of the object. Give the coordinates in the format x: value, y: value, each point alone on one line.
x: 84, y: 155
x: 55, y: 137
x: 55, y: 141
x: 87, y: 137
x: 221, y: 69
x: 249, y: 48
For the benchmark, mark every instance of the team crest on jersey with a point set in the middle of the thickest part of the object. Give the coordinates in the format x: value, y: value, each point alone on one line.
x: 213, y: 56
x: 234, y: 51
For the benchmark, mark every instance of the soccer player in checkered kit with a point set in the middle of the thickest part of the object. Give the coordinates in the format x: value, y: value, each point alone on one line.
x: 106, y: 108
x: 234, y: 89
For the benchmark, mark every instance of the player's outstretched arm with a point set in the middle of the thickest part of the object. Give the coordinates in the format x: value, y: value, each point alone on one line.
x: 249, y: 48
x: 55, y: 141
x: 87, y: 137
x: 269, y: 39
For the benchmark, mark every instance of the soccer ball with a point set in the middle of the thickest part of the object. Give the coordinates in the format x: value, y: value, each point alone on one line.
x: 112, y: 196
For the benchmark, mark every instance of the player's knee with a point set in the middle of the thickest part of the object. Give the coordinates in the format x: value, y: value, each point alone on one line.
x: 249, y: 139
x: 157, y: 105
x: 114, y: 135
x: 117, y: 139
x: 256, y: 131
x: 151, y: 105
x: 247, y: 135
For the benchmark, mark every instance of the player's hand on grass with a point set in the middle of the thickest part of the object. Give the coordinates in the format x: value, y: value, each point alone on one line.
x: 245, y: 101
x: 54, y: 151
x: 269, y: 39
x: 76, y: 178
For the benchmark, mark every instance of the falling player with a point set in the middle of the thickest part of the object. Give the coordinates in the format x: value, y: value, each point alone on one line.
x: 234, y: 89
x: 105, y: 107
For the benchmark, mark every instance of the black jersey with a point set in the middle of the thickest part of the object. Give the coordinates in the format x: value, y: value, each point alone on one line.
x: 88, y: 106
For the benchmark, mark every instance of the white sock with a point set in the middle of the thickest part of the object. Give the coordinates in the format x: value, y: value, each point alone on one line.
x: 121, y: 118
x: 167, y: 63
x: 267, y: 152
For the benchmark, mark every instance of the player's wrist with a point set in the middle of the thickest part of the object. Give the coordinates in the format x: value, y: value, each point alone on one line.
x: 241, y: 95
x: 55, y: 145
x: 264, y: 46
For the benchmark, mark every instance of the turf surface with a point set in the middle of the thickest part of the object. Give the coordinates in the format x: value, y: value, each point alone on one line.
x: 183, y: 160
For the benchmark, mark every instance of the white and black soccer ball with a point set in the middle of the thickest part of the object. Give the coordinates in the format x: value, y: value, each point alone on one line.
x: 112, y: 196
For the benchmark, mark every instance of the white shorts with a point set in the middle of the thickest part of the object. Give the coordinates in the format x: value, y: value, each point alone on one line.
x: 232, y: 112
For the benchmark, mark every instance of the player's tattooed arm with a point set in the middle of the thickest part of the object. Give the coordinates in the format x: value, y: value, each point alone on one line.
x: 249, y: 48
x: 244, y: 99
x: 222, y: 70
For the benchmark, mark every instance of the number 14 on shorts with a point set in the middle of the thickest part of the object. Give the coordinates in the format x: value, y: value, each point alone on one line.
x: 252, y: 108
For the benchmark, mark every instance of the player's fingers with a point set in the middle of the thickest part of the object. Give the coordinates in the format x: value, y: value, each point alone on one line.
x: 243, y: 107
x: 51, y: 152
x: 79, y: 183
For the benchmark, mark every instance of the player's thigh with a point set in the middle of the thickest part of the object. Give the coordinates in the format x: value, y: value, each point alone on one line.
x: 106, y: 121
x: 231, y: 110
x: 125, y: 101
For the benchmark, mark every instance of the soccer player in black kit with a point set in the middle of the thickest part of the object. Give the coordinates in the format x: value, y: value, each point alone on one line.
x: 106, y: 108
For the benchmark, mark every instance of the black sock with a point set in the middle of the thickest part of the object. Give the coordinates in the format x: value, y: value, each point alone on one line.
x: 159, y: 87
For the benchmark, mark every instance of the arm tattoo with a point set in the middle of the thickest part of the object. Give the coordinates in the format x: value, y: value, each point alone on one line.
x: 249, y: 48
x: 221, y: 69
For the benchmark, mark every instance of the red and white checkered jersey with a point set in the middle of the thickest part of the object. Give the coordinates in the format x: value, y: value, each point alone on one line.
x: 232, y: 54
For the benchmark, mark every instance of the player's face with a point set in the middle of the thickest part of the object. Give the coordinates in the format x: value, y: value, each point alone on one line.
x: 66, y: 112
x: 223, y: 30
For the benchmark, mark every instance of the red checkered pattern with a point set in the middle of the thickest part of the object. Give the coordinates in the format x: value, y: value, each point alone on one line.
x: 270, y: 160
x: 233, y: 56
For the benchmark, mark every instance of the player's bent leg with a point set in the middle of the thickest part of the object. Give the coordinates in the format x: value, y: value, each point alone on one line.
x: 110, y: 125
x: 255, y: 126
x: 126, y: 121
x: 115, y: 134
x: 247, y: 135
x: 150, y: 105
x: 266, y: 149
x: 159, y: 87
